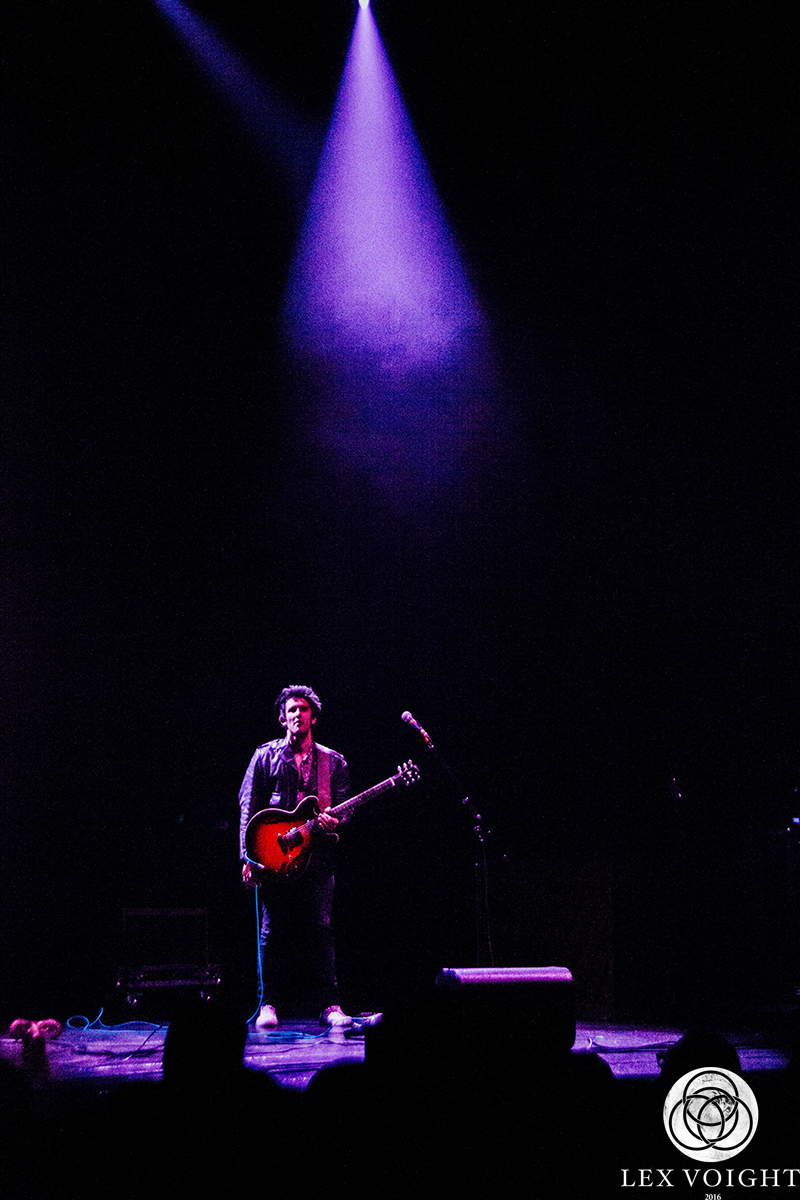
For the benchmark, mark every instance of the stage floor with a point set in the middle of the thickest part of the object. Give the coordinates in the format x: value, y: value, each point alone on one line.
x: 293, y: 1053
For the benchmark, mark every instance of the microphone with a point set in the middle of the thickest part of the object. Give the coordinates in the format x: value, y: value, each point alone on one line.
x: 409, y: 720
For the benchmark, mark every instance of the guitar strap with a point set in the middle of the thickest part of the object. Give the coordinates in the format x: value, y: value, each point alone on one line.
x: 323, y: 778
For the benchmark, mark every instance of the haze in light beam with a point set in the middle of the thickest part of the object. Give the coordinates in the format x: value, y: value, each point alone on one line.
x: 281, y: 138
x: 377, y: 274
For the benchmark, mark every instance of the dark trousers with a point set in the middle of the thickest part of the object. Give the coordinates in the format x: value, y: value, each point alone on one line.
x: 298, y: 965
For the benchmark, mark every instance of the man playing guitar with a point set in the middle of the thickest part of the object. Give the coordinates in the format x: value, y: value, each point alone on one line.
x: 298, y: 915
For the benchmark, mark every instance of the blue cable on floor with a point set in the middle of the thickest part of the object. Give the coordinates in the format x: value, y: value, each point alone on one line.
x: 98, y: 1024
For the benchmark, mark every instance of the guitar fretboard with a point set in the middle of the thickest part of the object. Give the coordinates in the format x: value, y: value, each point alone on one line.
x: 347, y: 806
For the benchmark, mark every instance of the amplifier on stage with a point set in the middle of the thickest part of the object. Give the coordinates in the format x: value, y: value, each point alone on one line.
x: 165, y: 958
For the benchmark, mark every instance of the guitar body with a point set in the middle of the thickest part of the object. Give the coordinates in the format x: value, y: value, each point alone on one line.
x: 282, y: 842
x: 261, y: 839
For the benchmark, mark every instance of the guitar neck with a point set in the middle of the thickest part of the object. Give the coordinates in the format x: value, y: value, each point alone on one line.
x: 348, y: 806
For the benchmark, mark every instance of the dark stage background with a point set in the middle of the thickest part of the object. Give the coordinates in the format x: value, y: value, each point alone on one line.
x: 599, y: 633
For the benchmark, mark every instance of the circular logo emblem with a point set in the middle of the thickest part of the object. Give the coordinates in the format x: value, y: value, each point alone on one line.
x: 710, y: 1114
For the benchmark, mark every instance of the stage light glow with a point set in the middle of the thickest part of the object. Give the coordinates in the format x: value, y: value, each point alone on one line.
x: 393, y: 350
x: 377, y: 272
x: 276, y: 131
x: 363, y: 3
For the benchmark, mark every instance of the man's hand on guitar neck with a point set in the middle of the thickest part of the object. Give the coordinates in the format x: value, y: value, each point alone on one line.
x: 327, y: 823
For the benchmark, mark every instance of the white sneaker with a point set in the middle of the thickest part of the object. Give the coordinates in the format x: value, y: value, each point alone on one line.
x: 334, y: 1017
x: 368, y: 1019
x: 266, y: 1019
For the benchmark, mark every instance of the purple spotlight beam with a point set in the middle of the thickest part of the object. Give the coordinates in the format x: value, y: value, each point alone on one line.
x: 276, y: 131
x: 377, y: 274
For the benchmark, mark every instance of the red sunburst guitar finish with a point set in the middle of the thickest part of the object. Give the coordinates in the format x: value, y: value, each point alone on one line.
x: 283, y: 842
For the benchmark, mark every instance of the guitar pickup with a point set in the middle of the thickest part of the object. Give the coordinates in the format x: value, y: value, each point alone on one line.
x: 290, y: 840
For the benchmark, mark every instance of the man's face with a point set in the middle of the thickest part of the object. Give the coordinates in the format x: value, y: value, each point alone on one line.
x: 299, y: 716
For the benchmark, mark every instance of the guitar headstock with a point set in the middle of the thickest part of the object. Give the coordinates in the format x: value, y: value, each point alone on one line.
x: 408, y: 772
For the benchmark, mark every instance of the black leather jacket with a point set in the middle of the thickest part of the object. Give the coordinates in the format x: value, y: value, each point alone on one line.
x: 272, y: 781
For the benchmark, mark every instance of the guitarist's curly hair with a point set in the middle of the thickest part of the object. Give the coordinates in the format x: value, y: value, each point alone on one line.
x: 298, y: 690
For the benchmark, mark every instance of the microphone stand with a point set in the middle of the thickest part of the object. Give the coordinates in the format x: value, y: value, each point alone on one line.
x: 484, y: 954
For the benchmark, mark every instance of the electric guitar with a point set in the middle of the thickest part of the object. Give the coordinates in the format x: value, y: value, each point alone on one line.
x: 282, y: 842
